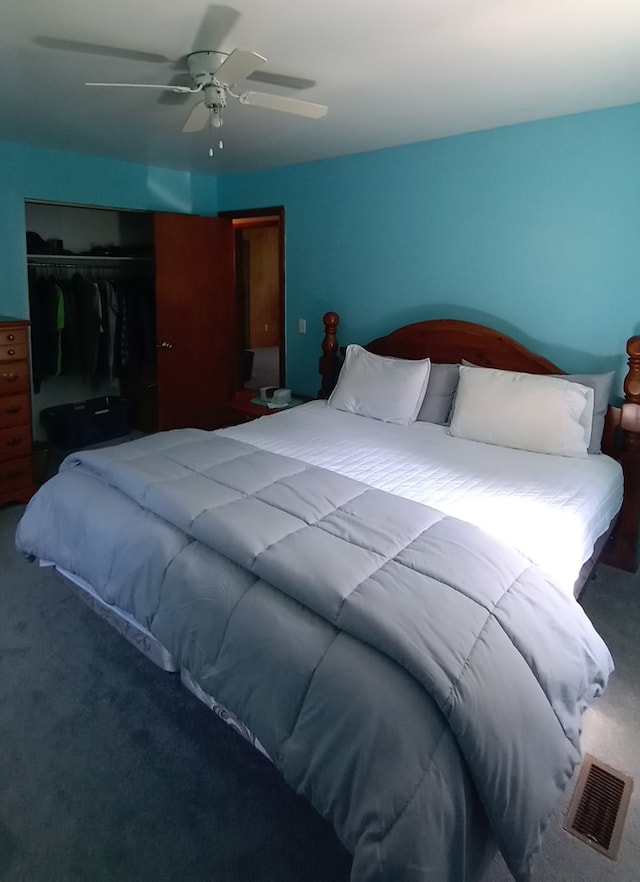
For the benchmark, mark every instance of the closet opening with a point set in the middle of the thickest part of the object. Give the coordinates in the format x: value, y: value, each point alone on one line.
x: 90, y: 277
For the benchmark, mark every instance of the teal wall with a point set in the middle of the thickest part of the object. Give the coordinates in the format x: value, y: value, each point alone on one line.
x: 48, y: 175
x: 533, y: 229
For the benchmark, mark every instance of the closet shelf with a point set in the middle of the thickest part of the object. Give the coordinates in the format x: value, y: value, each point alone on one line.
x: 83, y: 259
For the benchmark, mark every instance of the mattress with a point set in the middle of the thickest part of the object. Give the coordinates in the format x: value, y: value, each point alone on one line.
x: 551, y: 508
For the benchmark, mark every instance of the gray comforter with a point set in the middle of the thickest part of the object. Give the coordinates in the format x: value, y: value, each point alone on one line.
x: 419, y: 682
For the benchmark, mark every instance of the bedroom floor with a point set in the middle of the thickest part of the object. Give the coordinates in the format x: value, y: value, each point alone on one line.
x: 110, y: 769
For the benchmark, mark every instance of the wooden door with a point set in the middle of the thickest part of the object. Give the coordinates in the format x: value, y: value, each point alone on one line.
x: 195, y: 318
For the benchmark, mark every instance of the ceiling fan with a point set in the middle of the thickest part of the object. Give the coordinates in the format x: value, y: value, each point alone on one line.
x: 215, y: 75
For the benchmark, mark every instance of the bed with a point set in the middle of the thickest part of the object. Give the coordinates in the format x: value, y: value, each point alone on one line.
x: 431, y: 674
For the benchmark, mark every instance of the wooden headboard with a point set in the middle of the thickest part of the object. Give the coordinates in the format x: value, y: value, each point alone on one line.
x: 449, y: 341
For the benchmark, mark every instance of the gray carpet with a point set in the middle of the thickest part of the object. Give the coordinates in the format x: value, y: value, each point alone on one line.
x: 111, y: 770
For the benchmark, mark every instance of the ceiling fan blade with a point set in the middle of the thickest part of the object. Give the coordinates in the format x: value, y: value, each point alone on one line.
x: 175, y: 98
x: 145, y: 86
x: 100, y: 49
x: 216, y: 23
x: 286, y: 105
x: 197, y: 119
x: 276, y: 79
x: 238, y: 66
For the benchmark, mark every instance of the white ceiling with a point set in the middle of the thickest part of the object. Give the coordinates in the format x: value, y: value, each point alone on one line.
x: 391, y: 73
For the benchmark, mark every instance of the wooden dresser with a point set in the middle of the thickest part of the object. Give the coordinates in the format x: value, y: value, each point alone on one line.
x: 16, y: 467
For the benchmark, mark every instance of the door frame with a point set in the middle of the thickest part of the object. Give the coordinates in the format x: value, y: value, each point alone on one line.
x: 273, y: 216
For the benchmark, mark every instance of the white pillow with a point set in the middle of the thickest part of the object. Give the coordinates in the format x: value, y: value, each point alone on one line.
x: 389, y: 389
x: 527, y: 411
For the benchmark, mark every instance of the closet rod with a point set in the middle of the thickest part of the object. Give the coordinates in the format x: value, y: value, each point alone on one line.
x: 86, y: 261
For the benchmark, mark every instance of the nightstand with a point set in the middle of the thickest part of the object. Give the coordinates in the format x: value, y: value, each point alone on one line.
x: 241, y: 409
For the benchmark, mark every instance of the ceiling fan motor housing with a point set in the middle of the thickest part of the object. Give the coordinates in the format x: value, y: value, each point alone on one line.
x: 203, y: 66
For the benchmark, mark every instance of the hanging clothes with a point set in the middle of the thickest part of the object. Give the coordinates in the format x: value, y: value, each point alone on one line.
x: 86, y: 324
x: 43, y: 307
x: 110, y: 310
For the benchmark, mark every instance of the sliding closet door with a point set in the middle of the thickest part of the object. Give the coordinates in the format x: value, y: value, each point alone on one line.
x: 195, y: 303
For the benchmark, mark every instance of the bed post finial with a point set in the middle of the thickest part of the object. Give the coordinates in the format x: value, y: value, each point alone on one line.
x: 329, y: 364
x: 622, y: 548
x: 632, y: 387
x: 629, y: 420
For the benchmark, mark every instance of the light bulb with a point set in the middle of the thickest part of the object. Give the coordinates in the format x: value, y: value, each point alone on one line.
x: 210, y: 151
x: 216, y: 118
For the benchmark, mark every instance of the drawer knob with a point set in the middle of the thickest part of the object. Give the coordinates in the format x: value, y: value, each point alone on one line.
x: 13, y: 442
x: 12, y: 352
x: 10, y: 378
x: 14, y: 409
x: 11, y: 337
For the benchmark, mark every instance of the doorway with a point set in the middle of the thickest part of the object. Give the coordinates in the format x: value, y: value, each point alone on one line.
x: 260, y: 312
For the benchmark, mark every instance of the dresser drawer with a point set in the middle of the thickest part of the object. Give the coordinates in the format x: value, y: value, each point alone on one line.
x: 15, y: 410
x: 17, y: 336
x: 13, y: 352
x: 14, y: 474
x: 15, y: 442
x: 14, y: 378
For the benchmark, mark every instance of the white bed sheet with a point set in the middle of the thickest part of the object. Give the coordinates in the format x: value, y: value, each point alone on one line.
x: 551, y: 508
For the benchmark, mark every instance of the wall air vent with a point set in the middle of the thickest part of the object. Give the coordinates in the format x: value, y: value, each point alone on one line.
x: 599, y: 806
